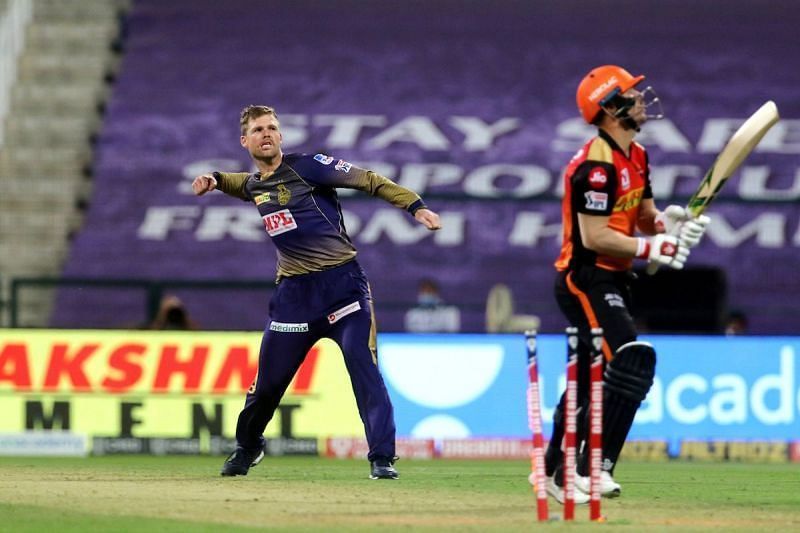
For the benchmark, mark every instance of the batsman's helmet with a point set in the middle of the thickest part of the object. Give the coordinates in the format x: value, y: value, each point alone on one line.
x: 600, y: 86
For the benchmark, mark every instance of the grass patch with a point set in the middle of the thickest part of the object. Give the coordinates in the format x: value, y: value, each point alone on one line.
x: 136, y: 493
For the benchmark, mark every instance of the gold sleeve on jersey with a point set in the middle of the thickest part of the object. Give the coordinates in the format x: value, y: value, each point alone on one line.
x: 385, y: 189
x: 232, y: 183
x: 600, y: 151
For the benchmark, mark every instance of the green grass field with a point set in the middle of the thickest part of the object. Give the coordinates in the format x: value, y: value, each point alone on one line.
x: 315, y: 494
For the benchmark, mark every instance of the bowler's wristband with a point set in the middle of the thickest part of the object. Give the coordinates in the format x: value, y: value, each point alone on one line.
x: 416, y: 206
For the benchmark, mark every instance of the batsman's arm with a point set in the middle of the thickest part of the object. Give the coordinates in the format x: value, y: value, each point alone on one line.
x: 662, y: 249
x: 599, y: 237
x: 648, y: 214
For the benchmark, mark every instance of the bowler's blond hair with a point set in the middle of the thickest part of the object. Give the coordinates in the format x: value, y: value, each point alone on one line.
x: 252, y: 112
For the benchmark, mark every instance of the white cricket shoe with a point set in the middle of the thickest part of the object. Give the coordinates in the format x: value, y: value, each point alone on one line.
x: 581, y: 498
x: 608, y: 487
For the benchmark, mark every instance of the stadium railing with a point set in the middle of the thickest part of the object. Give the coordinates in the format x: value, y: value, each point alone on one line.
x: 154, y: 290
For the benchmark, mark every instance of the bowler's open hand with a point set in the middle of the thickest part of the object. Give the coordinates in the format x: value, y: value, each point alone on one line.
x: 428, y: 218
x: 203, y: 184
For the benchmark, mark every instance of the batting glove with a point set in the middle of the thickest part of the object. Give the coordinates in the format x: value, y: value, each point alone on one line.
x: 664, y: 250
x: 692, y: 231
x: 670, y: 218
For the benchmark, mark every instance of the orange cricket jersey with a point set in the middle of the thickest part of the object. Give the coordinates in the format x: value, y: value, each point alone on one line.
x: 601, y: 180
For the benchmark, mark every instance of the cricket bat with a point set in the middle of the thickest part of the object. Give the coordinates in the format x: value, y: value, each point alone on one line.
x: 743, y: 141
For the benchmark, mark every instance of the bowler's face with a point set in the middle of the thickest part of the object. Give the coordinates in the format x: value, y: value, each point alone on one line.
x: 263, y: 137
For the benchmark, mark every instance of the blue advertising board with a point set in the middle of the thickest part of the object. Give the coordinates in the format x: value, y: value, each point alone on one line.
x: 706, y: 388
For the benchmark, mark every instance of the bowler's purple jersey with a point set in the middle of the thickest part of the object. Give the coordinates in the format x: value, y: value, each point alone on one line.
x: 301, y: 211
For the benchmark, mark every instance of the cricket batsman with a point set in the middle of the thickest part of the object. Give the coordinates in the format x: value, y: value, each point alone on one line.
x: 607, y: 199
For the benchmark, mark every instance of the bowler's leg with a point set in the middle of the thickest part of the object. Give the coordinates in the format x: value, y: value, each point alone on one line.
x: 280, y: 356
x: 356, y: 336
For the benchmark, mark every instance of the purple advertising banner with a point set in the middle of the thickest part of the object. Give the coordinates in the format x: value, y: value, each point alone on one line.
x: 472, y: 105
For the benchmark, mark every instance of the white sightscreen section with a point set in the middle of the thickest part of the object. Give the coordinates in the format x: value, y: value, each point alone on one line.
x: 15, y: 15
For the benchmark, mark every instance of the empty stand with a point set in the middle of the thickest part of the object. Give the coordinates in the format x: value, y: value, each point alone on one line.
x: 62, y: 76
x: 472, y: 103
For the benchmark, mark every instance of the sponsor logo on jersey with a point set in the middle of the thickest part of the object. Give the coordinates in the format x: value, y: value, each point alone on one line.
x: 344, y: 166
x: 596, y: 201
x: 284, y: 194
x: 287, y: 327
x: 629, y: 200
x: 598, y: 178
x: 343, y: 312
x: 324, y: 159
x: 625, y: 179
x: 279, y: 222
x: 262, y: 198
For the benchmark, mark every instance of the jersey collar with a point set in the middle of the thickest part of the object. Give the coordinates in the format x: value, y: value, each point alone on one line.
x: 603, y: 134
